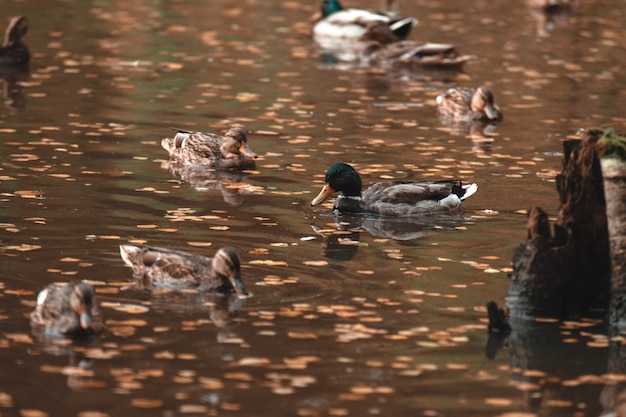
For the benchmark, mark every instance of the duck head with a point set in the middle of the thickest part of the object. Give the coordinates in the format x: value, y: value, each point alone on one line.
x: 339, y: 178
x: 330, y: 6
x: 236, y: 143
x: 227, y: 265
x: 81, y: 301
x: 484, y: 102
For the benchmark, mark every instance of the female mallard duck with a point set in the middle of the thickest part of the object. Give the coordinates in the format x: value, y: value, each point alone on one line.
x: 344, y: 26
x: 13, y: 51
x: 463, y: 103
x: 228, y: 152
x: 391, y: 198
x: 413, y: 54
x: 66, y: 310
x: 176, y: 269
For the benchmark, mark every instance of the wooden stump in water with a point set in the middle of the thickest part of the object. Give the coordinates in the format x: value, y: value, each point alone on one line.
x: 566, y: 272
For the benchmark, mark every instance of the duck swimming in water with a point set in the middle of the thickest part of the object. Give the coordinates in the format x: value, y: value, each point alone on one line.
x: 345, y: 26
x: 391, y: 198
x: 67, y: 310
x: 176, y: 269
x: 462, y: 103
x: 228, y: 152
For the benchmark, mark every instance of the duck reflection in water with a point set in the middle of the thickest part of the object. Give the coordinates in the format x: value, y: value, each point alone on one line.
x: 342, y: 237
x: 232, y: 184
x: 341, y: 240
x: 549, y: 14
x: 223, y: 310
x: 12, y: 93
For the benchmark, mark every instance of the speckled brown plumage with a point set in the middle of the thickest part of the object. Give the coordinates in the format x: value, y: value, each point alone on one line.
x: 177, y: 269
x: 469, y: 104
x: 67, y: 310
x: 228, y: 152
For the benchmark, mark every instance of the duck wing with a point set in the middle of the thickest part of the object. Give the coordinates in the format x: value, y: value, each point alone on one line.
x: 405, y: 192
x: 193, y: 146
x: 165, y: 267
x: 402, y: 198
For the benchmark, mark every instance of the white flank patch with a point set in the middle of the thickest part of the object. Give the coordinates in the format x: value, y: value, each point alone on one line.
x: 451, y: 202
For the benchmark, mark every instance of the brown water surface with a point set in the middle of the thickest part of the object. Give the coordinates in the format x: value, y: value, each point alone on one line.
x: 392, y: 321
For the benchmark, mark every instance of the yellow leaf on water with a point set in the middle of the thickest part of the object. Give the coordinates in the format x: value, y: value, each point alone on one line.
x: 268, y: 262
x: 498, y: 402
x: 126, y: 308
x: 315, y: 263
x: 301, y: 335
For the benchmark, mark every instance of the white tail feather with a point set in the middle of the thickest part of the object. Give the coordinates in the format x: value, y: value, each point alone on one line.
x: 470, y: 190
x: 125, y: 251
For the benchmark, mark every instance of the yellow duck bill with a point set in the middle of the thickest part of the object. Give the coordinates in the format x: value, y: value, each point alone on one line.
x: 326, y: 192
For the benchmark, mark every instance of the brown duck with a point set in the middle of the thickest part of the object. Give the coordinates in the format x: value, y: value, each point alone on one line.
x: 66, y: 310
x: 228, y: 152
x: 462, y: 103
x: 176, y: 269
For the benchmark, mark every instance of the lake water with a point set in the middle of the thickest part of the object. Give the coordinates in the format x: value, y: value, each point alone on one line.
x: 348, y: 318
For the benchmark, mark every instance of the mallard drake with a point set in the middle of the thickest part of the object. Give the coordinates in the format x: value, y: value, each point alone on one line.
x: 469, y: 104
x: 66, y: 310
x: 413, y: 54
x: 339, y: 26
x: 228, y: 152
x: 13, y: 51
x: 177, y: 269
x: 391, y: 198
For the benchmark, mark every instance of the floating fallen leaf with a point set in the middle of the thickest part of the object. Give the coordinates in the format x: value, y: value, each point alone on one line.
x: 268, y: 262
x: 301, y: 335
x: 238, y: 376
x: 250, y: 361
x: 211, y: 383
x: 146, y: 403
x: 498, y: 402
x: 315, y: 263
x: 201, y: 244
x: 126, y: 308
